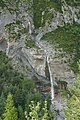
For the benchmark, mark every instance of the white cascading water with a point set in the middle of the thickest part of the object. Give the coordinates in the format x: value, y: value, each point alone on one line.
x: 30, y: 30
x: 7, y: 49
x: 51, y: 81
x: 50, y: 73
x: 38, y: 37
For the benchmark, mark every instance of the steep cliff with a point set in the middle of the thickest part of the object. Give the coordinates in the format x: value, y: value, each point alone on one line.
x: 42, y: 31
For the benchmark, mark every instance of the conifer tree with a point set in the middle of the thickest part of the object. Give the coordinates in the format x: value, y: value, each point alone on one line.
x: 10, y: 112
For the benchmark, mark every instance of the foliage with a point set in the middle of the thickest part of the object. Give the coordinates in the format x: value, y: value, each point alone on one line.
x: 20, y: 113
x: 36, y: 97
x: 37, y: 113
x: 2, y: 104
x: 22, y: 88
x: 73, y: 2
x: 73, y: 109
x: 10, y: 112
x: 38, y: 7
x: 8, y: 77
x: 11, y: 5
x: 41, y: 11
x: 30, y: 43
x: 15, y: 30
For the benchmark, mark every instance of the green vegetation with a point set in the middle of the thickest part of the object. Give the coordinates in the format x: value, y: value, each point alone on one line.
x: 15, y: 30
x: 68, y: 38
x: 18, y: 92
x: 72, y: 111
x: 73, y: 2
x: 2, y: 104
x: 10, y: 5
x: 38, y: 113
x: 30, y: 43
x: 10, y: 112
x: 22, y: 88
x: 11, y: 81
x: 41, y: 11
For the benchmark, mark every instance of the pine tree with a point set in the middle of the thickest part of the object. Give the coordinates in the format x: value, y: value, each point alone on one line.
x: 20, y: 113
x: 10, y: 112
x: 38, y: 113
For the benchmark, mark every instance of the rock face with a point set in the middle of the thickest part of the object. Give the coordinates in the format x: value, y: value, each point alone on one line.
x: 32, y: 61
x: 3, y: 44
x: 58, y: 61
x: 5, y: 18
x: 36, y: 57
x: 70, y: 14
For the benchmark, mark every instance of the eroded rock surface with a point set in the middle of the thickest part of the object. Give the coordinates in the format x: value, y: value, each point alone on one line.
x: 32, y: 61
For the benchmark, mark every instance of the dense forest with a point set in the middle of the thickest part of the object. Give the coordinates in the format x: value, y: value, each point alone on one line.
x: 39, y: 59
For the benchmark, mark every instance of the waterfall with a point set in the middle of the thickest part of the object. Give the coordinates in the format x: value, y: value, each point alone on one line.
x: 38, y: 37
x: 30, y: 23
x: 30, y: 27
x: 7, y: 49
x: 51, y: 81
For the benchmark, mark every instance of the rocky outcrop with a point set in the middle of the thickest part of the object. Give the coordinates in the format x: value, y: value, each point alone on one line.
x: 32, y: 61
x: 58, y: 61
x: 5, y: 18
x: 59, y: 67
x: 3, y: 44
x: 70, y: 13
